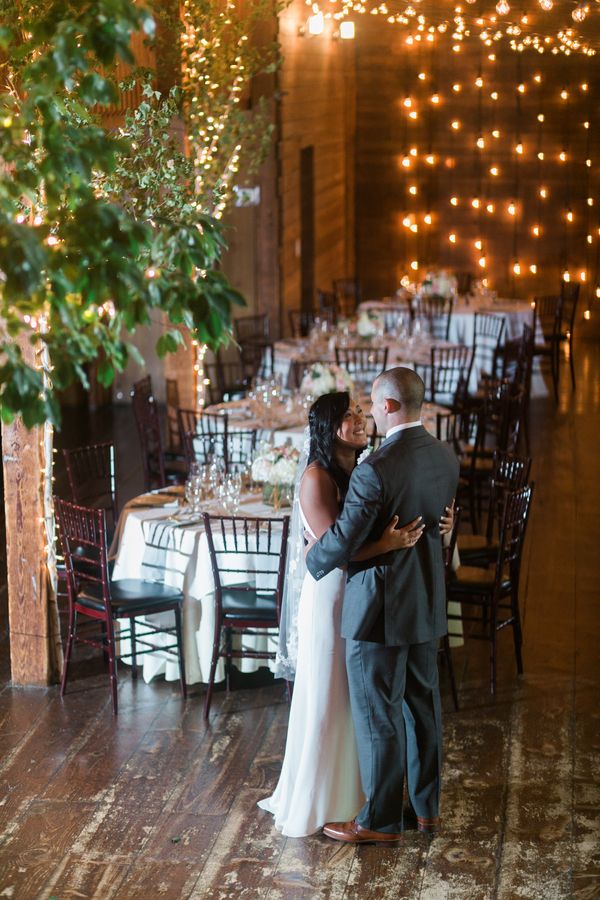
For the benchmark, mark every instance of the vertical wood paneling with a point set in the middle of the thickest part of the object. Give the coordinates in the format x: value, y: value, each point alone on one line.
x: 317, y: 103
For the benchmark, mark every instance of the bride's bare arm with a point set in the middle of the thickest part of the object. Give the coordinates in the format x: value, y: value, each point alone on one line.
x: 318, y: 496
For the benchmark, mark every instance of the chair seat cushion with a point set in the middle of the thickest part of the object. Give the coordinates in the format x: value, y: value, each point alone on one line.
x: 239, y: 603
x: 131, y: 596
x: 473, y: 579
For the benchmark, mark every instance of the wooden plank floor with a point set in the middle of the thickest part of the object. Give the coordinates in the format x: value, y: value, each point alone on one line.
x: 156, y: 804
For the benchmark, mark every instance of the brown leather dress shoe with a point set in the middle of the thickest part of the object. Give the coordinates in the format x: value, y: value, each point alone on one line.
x: 353, y: 833
x: 429, y: 826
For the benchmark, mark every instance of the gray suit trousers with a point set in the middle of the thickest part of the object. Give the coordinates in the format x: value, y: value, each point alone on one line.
x: 396, y: 708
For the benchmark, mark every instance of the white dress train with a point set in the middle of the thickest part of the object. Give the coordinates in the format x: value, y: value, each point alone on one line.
x: 319, y: 779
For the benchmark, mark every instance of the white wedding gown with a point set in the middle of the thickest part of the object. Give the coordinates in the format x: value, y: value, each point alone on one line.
x: 319, y: 779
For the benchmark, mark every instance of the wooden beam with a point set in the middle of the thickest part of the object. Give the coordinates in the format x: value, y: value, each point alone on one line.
x: 35, y: 644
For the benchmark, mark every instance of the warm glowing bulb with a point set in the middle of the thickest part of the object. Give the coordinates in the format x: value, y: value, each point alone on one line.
x: 454, y: 201
x: 478, y: 245
x: 536, y: 230
x: 490, y: 207
x: 413, y: 114
x: 519, y: 149
x: 479, y: 82
x: 584, y: 86
x: 587, y: 315
x: 540, y: 155
x: 540, y: 117
x: 546, y: 5
x: 422, y: 76
x: 482, y: 261
x: 533, y: 268
x: 590, y: 202
x: 406, y: 162
x: 414, y: 228
x: 407, y: 102
x: 480, y: 143
x: 414, y: 264
x: 492, y: 57
x: 537, y: 77
x: 502, y: 7
x: 598, y: 292
x: 588, y: 163
x: 413, y: 151
x: 569, y: 216
x: 435, y: 98
x: 580, y: 12
x: 512, y: 209
x: 406, y: 221
x: 427, y: 218
x: 543, y: 193
x: 494, y: 95
x: 347, y: 30
x: 517, y: 268
x: 456, y: 88
x: 316, y: 23
x: 475, y: 202
x: 456, y: 124
x: 566, y: 276
x: 562, y: 156
x: 412, y: 189
x: 564, y: 95
x: 521, y: 88
x: 430, y: 159
x: 495, y: 133
x: 583, y: 275
x: 494, y: 171
x: 586, y: 124
x: 452, y: 238
x: 589, y: 239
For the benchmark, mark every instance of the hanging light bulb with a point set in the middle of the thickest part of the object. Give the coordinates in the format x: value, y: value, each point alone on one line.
x: 566, y: 275
x: 430, y: 159
x: 482, y: 261
x: 475, y: 202
x: 564, y: 95
x: 412, y: 189
x: 494, y: 171
x: 580, y: 12
x: 546, y: 5
x: 478, y: 244
x: 533, y: 268
x: 543, y: 193
x: 490, y: 207
x: 519, y: 148
x: 569, y: 215
x: 480, y: 143
x: 454, y: 201
x: 517, y: 268
x: 536, y: 230
x: 502, y: 7
x: 452, y: 238
x: 414, y: 264
x: 427, y: 218
x: 583, y: 275
x: 512, y: 209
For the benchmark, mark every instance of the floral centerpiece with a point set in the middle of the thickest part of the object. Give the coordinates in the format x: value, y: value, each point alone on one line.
x: 440, y: 283
x: 369, y: 324
x: 325, y: 378
x: 276, y: 469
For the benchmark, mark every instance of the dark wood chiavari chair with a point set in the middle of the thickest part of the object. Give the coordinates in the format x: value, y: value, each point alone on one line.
x: 362, y: 363
x: 160, y: 467
x: 434, y: 314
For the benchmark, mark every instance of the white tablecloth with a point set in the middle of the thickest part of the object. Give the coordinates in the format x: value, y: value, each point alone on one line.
x: 152, y: 546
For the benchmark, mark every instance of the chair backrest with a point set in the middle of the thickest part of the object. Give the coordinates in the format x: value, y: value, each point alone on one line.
x: 298, y: 368
x: 548, y: 312
x: 448, y: 428
x: 201, y: 422
x: 327, y: 305
x: 173, y: 431
x: 348, y: 295
x: 92, y: 477
x: 464, y: 283
x: 143, y: 387
x: 450, y: 368
x: 362, y: 363
x: 515, y: 515
x: 509, y: 473
x: 249, y: 553
x: 145, y: 411
x: 434, y: 313
x: 82, y: 534
x: 569, y: 292
x: 225, y: 380
x: 257, y: 359
x: 513, y: 360
x: 235, y: 447
x: 302, y: 322
x: 253, y: 328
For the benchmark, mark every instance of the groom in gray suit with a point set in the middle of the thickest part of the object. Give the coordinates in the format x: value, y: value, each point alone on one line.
x: 394, y: 613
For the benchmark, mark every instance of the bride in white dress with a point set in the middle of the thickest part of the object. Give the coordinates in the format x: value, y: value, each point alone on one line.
x: 320, y: 779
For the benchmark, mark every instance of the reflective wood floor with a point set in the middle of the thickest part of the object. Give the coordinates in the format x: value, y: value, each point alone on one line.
x: 156, y: 804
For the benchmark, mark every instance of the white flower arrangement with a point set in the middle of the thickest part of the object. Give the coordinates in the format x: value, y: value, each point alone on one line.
x: 441, y: 283
x: 368, y: 324
x: 325, y: 378
x: 277, y: 465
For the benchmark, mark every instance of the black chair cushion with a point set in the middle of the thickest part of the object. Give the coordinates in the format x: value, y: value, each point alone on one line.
x: 243, y: 604
x: 131, y: 596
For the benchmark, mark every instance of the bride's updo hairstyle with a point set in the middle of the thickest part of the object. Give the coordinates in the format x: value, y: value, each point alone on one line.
x: 324, y: 419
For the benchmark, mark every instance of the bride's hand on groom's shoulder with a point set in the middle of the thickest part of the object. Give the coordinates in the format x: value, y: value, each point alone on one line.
x: 447, y: 520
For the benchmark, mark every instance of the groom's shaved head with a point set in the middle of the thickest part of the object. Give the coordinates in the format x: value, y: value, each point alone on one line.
x: 403, y: 385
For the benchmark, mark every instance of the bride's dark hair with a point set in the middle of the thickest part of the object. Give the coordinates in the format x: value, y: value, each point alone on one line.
x: 324, y: 419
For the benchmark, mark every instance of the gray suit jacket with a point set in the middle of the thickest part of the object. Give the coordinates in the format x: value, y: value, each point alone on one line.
x: 400, y: 597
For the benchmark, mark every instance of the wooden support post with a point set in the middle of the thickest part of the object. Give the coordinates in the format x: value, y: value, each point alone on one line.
x: 35, y: 645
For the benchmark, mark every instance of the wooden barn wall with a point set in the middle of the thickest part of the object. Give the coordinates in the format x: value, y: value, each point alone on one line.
x: 317, y: 108
x: 387, y: 79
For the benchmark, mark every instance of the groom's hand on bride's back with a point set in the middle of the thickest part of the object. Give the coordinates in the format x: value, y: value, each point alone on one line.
x: 309, y: 542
